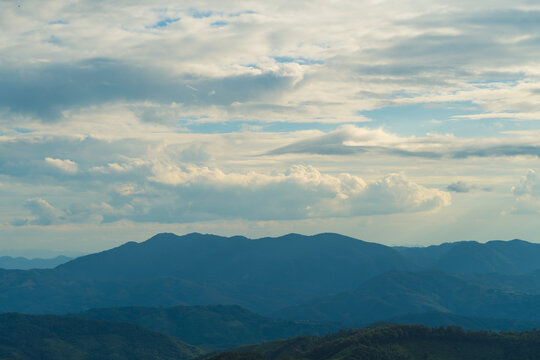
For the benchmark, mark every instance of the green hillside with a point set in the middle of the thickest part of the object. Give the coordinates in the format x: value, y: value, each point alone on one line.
x: 398, y: 342
x: 31, y: 337
x: 211, y: 327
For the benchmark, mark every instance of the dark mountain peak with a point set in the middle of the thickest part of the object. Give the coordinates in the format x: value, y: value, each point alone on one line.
x: 166, y: 235
x: 336, y: 236
x: 297, y: 265
x: 513, y: 242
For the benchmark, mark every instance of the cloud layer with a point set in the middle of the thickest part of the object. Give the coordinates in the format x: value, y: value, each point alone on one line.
x: 362, y: 115
x: 353, y: 140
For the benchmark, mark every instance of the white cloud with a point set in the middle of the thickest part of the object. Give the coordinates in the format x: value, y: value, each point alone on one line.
x: 176, y: 121
x: 352, y: 140
x: 300, y: 192
x: 182, y: 195
x: 66, y: 165
x: 42, y: 212
x: 529, y: 185
x: 527, y: 194
x: 300, y: 63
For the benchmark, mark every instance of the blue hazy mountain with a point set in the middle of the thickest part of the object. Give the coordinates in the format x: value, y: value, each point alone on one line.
x: 22, y: 263
x: 324, y: 261
x: 400, y: 293
x: 503, y: 257
x: 437, y: 319
x: 324, y: 277
x: 264, y: 274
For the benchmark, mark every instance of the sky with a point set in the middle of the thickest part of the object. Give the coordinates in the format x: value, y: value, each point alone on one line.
x: 404, y: 122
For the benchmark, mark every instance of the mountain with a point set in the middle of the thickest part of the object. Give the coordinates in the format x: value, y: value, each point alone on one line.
x: 320, y: 262
x: 269, y: 274
x: 399, y: 342
x: 43, y: 291
x: 211, y: 327
x: 264, y: 274
x: 436, y: 319
x: 400, y: 293
x: 471, y: 257
x: 61, y: 337
x: 21, y: 263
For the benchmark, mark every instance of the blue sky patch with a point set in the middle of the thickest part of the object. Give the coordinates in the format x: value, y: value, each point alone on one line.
x: 219, y: 23
x: 419, y: 119
x: 164, y: 23
x: 298, y: 60
x: 59, y: 22
x: 200, y: 14
x: 260, y: 126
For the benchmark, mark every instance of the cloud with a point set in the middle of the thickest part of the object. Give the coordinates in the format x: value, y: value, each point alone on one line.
x: 183, y: 194
x: 529, y: 185
x: 459, y: 187
x: 66, y: 165
x: 42, y: 212
x: 352, y: 140
x: 300, y: 192
x: 527, y: 194
x: 47, y: 90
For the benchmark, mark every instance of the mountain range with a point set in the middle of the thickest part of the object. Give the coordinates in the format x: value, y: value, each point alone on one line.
x: 400, y: 293
x: 22, y: 263
x: 327, y: 277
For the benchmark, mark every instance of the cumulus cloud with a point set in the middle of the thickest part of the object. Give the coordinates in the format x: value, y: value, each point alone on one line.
x: 527, y: 194
x: 66, y: 165
x: 42, y: 212
x: 529, y: 185
x: 300, y: 192
x: 186, y: 194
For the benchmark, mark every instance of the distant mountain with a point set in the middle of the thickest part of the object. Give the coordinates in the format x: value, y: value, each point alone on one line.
x: 211, y: 327
x: 400, y: 293
x: 21, y: 263
x: 40, y: 253
x: 267, y: 274
x: 436, y: 319
x: 60, y: 337
x: 471, y: 257
x: 323, y: 262
x: 263, y: 275
x: 44, y: 292
x: 524, y: 283
x: 398, y: 342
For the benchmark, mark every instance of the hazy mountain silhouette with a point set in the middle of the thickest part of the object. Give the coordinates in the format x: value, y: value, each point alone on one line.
x: 437, y: 319
x: 400, y: 293
x: 21, y: 263
x: 269, y: 274
x: 324, y: 261
x: 264, y: 274
x: 504, y: 257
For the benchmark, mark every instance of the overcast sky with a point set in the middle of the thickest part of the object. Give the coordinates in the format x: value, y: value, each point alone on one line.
x: 404, y: 122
